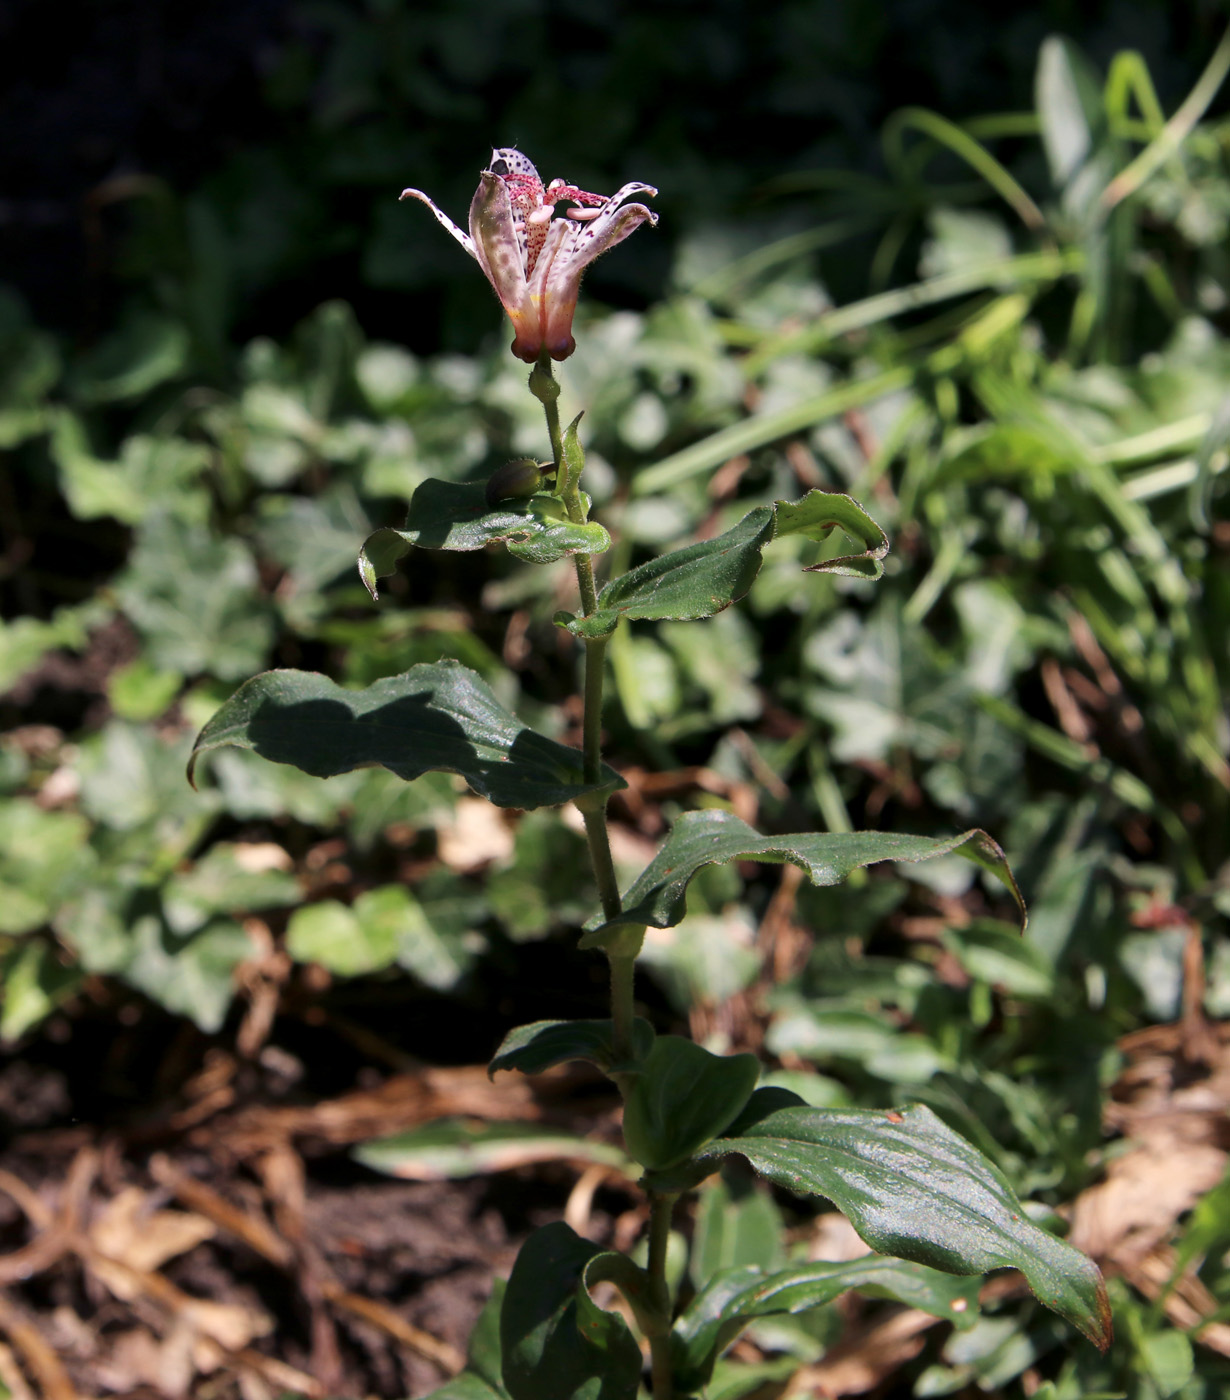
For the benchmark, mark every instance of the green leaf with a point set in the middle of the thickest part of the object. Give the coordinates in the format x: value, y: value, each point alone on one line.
x: 35, y: 981
x: 686, y: 584
x: 196, y: 601
x: 737, y: 1224
x: 721, y: 1310
x: 339, y: 939
x: 683, y: 1097
x: 455, y: 515
x: 44, y: 856
x: 460, y: 1147
x: 915, y: 1190
x: 537, y: 1047
x: 556, y: 1343
x: 706, y: 577
x: 818, y: 514
x: 659, y: 895
x: 483, y: 1352
x: 1068, y: 102
x: 433, y: 717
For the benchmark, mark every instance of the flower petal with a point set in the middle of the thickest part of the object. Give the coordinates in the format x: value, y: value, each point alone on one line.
x: 459, y: 234
x: 553, y: 314
x: 498, y: 249
x: 613, y: 224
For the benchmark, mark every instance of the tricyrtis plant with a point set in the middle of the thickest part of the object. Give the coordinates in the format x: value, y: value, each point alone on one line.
x: 913, y: 1189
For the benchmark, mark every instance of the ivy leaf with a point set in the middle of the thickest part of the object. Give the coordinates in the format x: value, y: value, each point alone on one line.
x: 721, y: 1310
x: 703, y: 578
x: 455, y: 515
x: 438, y: 716
x: 659, y: 895
x: 913, y: 1189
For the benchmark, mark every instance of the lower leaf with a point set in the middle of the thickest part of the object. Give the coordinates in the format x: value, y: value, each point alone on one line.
x: 556, y: 1343
x: 721, y: 1310
x: 915, y: 1190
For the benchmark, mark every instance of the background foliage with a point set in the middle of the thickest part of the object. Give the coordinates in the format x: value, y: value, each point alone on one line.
x: 867, y: 278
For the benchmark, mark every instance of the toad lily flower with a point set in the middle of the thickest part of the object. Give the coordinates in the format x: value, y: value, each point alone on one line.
x: 531, y: 255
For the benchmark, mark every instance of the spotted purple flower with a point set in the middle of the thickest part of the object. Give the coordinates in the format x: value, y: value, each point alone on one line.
x: 531, y: 255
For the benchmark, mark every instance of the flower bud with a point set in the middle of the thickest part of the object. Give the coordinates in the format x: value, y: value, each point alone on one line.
x: 513, y: 480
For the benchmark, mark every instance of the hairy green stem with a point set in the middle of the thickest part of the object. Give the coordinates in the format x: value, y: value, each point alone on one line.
x: 660, y: 1210
x: 545, y: 388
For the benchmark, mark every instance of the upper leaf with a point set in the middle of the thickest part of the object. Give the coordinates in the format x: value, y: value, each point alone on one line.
x: 916, y: 1190
x: 683, y: 1097
x: 659, y: 894
x: 542, y: 1044
x: 556, y: 1343
x: 455, y: 515
x: 438, y: 716
x: 708, y: 576
x: 721, y: 1310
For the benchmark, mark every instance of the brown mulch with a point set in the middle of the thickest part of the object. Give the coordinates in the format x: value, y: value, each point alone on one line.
x: 221, y: 1248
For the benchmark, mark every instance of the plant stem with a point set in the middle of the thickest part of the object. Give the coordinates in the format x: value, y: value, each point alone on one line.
x: 660, y: 1210
x: 545, y: 388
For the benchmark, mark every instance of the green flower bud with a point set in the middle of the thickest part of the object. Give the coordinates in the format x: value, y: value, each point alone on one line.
x: 513, y: 480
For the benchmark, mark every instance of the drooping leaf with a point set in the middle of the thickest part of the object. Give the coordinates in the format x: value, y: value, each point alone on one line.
x: 455, y: 515
x: 537, y: 1047
x: 434, y: 717
x: 721, y: 1310
x: 556, y: 1343
x: 703, y: 578
x: 659, y: 895
x: 683, y: 1097
x: 916, y: 1190
x: 459, y: 1147
x: 686, y: 584
x: 818, y: 514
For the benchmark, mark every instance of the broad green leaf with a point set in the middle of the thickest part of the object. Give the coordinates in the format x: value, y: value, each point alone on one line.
x: 144, y: 351
x: 44, y: 856
x: 460, y: 1147
x: 335, y: 936
x: 659, y: 895
x: 913, y: 1189
x: 994, y: 953
x: 721, y: 1310
x: 703, y: 578
x: 737, y: 1225
x: 433, y: 717
x: 556, y: 1343
x: 195, y: 599
x: 537, y: 1047
x: 455, y: 515
x: 683, y: 1097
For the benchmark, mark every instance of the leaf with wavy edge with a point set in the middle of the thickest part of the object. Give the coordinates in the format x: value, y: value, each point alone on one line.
x: 439, y: 716
x: 913, y: 1189
x: 659, y: 895
x: 733, y: 1297
x: 455, y: 515
x: 706, y: 577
